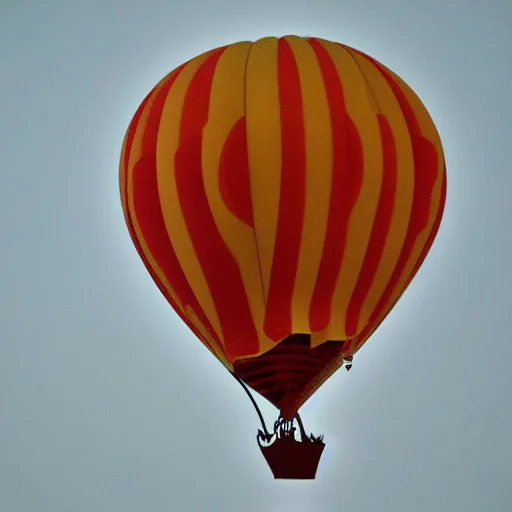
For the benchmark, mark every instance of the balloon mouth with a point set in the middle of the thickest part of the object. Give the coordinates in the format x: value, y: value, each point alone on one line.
x: 290, y: 372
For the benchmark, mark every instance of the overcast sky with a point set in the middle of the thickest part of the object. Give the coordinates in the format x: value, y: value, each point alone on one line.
x: 108, y: 403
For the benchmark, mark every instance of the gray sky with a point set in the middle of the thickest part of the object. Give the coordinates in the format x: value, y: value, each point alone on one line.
x: 108, y: 403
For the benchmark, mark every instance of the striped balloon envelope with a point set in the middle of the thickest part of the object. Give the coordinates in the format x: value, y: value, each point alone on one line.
x: 282, y: 194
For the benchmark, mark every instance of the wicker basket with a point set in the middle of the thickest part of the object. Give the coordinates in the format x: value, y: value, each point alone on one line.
x: 292, y: 459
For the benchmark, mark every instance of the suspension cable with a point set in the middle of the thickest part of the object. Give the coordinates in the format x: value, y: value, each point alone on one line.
x: 253, y: 403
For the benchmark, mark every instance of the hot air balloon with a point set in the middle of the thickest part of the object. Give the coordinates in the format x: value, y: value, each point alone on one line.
x: 282, y: 194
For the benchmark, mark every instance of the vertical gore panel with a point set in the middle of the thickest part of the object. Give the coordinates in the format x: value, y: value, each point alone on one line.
x: 346, y: 181
x: 380, y: 228
x: 278, y: 319
x: 220, y: 269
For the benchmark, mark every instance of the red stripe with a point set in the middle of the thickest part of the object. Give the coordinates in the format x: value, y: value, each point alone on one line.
x: 149, y: 217
x: 149, y: 137
x: 125, y: 157
x: 347, y: 175
x: 380, y: 227
x: 130, y: 135
x: 165, y: 293
x: 425, y: 175
x: 220, y: 268
x: 435, y: 229
x: 372, y: 326
x: 425, y: 157
x: 145, y: 261
x: 278, y: 317
x: 425, y: 164
x: 421, y: 200
x: 147, y: 209
x: 407, y: 110
x: 234, y: 180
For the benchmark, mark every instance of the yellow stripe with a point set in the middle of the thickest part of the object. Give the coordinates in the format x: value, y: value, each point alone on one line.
x: 390, y: 108
x: 167, y: 145
x: 264, y: 148
x: 427, y: 126
x: 215, y: 349
x: 318, y: 145
x: 227, y: 106
x: 127, y: 185
x: 359, y: 108
x: 420, y: 242
x: 402, y: 284
x: 135, y: 155
x: 429, y: 131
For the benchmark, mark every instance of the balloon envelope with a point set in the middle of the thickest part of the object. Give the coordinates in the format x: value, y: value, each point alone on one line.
x: 282, y: 194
